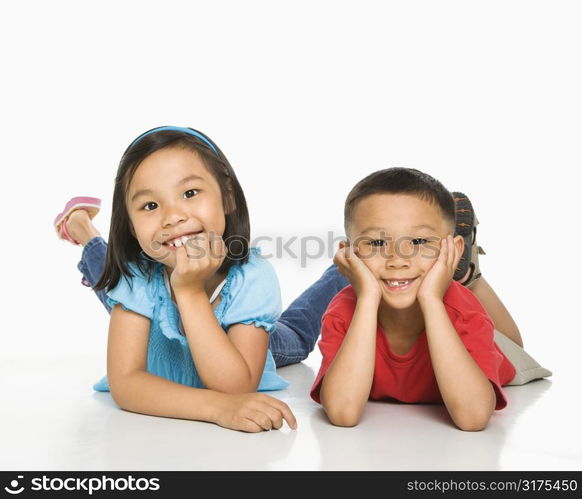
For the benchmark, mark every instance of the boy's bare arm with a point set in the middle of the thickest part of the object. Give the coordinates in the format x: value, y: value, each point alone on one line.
x: 346, y: 385
x: 467, y: 393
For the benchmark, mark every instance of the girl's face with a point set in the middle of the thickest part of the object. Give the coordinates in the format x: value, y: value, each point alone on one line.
x: 172, y: 194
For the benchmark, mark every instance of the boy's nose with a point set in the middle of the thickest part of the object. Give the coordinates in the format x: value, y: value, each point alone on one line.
x: 397, y: 263
x: 395, y: 259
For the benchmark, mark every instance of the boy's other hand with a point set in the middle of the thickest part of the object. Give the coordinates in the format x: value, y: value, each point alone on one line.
x: 439, y: 277
x: 357, y: 272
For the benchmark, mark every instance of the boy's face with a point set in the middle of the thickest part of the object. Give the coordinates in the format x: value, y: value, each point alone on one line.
x: 397, y: 236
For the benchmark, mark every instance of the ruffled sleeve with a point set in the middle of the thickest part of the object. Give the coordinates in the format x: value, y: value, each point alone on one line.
x: 253, y: 295
x: 133, y: 293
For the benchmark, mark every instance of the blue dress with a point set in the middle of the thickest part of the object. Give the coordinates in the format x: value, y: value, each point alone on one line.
x: 251, y: 295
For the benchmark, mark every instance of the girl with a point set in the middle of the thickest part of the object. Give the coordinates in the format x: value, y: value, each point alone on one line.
x: 178, y: 273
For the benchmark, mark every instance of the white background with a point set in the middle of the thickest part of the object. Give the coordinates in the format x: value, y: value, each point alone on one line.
x: 305, y: 98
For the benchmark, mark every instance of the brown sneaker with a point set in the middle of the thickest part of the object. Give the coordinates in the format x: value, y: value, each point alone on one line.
x: 466, y: 226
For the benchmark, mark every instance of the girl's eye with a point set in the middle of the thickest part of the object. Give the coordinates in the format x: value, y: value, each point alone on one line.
x: 419, y: 240
x: 377, y: 242
x: 150, y: 206
x: 190, y: 193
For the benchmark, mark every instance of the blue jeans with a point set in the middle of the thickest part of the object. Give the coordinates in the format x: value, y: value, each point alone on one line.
x: 297, y: 329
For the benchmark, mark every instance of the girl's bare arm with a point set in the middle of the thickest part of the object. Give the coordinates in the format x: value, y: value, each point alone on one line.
x: 229, y: 363
x: 136, y: 390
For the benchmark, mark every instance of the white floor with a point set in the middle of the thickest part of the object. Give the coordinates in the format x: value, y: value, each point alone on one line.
x: 52, y: 420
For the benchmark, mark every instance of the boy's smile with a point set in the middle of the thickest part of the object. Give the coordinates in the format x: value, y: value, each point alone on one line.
x: 397, y: 236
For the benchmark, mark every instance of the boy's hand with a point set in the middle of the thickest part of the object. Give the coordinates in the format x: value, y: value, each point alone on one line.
x: 197, y: 260
x: 439, y: 277
x: 357, y: 272
x: 253, y: 412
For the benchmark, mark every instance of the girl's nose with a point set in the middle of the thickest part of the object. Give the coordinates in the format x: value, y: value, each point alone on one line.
x: 173, y: 216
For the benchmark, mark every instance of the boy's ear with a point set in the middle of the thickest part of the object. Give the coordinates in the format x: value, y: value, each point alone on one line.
x: 459, y: 243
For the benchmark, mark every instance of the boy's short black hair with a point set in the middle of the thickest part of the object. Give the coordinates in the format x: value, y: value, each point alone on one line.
x: 401, y: 181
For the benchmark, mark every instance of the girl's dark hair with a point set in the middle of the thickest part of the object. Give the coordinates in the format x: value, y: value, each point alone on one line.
x: 123, y: 247
x: 401, y: 181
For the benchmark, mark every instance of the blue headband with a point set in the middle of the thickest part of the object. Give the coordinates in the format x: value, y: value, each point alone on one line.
x: 189, y: 131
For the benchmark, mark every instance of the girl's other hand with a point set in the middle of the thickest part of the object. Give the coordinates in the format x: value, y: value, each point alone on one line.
x: 350, y: 265
x: 253, y: 412
x: 197, y: 260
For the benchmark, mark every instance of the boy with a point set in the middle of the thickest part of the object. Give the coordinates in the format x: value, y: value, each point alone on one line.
x: 404, y: 329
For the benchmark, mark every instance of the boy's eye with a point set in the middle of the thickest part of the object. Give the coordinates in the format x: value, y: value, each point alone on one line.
x: 418, y: 240
x: 377, y: 242
x: 150, y: 206
x: 190, y: 193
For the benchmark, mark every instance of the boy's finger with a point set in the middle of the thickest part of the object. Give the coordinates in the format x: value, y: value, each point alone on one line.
x: 452, y: 252
x: 348, y: 251
x: 340, y: 257
x: 444, y: 250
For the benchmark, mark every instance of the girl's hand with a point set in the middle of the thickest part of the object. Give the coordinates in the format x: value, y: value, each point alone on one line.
x: 196, y: 260
x: 356, y: 271
x: 253, y: 412
x: 439, y: 277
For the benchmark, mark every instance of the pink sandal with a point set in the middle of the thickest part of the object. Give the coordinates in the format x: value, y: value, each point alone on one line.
x: 89, y: 204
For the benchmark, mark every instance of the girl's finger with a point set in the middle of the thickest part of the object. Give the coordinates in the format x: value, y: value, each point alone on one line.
x: 285, y: 411
x: 192, y: 247
x: 250, y: 426
x: 181, y: 257
x: 261, y: 419
x: 218, y: 248
x: 274, y: 415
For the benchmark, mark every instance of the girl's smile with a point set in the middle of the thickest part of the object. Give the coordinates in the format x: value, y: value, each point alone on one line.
x: 180, y: 240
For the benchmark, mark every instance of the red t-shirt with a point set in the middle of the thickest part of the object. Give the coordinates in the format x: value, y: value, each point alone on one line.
x: 410, y: 377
